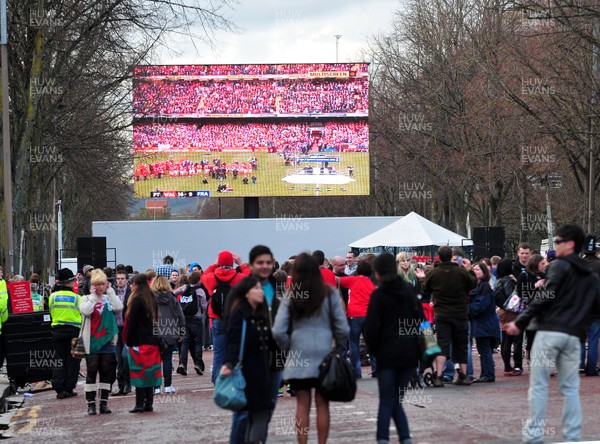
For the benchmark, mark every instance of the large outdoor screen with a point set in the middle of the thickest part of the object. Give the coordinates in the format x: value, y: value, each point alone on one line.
x: 251, y: 130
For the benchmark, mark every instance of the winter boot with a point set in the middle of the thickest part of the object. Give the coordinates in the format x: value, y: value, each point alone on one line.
x: 139, y: 400
x: 91, y: 402
x: 149, y: 399
x: 104, y: 401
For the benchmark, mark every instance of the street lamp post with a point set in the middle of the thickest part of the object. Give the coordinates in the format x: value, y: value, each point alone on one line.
x: 337, y: 46
x: 8, y: 210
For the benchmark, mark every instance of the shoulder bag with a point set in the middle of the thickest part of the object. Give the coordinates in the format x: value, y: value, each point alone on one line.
x: 337, y: 380
x: 77, y: 346
x: 514, y: 304
x: 229, y: 390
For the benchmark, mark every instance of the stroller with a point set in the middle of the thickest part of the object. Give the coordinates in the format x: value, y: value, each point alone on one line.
x: 425, y: 372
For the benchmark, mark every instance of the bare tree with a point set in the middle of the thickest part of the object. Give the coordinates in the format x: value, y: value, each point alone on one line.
x: 71, y: 63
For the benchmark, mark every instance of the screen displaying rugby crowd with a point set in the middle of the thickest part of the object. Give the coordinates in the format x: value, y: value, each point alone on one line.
x: 257, y: 69
x: 281, y: 96
x: 274, y: 137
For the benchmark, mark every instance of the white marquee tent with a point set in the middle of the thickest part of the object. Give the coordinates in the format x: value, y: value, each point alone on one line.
x: 411, y: 231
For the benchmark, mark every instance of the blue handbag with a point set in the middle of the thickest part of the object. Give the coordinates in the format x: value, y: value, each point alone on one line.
x: 229, y: 391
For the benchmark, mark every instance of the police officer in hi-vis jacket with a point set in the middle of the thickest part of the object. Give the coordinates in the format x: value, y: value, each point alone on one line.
x: 66, y: 324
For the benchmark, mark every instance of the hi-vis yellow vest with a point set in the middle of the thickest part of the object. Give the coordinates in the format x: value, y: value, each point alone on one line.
x: 64, y: 308
x: 3, y: 303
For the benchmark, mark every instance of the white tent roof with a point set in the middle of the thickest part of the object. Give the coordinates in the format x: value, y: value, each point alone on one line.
x: 412, y: 230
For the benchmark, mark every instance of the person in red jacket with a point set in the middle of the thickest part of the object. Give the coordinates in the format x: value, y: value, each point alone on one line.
x: 221, y: 273
x: 359, y: 288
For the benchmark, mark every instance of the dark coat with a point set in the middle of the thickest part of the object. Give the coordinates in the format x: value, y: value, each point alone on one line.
x: 258, y: 347
x: 392, y: 326
x: 571, y: 293
x: 139, y: 325
x: 594, y: 264
x: 482, y: 311
x: 518, y: 269
x: 449, y: 285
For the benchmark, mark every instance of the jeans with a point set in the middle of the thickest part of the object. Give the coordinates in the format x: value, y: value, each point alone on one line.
x: 356, y: 326
x: 239, y: 421
x: 470, y: 353
x: 167, y: 364
x: 448, y: 372
x: 485, y: 348
x: 193, y: 334
x: 122, y: 363
x: 219, y: 340
x: 553, y: 348
x: 591, y: 366
x: 392, y: 384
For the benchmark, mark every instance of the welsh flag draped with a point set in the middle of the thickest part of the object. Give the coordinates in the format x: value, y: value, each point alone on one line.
x: 103, y: 327
x: 144, y: 366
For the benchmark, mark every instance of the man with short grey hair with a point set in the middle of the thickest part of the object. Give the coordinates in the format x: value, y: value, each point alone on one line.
x: 339, y: 266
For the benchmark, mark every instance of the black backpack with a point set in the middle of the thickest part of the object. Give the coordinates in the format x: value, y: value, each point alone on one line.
x: 189, y: 301
x: 219, y: 294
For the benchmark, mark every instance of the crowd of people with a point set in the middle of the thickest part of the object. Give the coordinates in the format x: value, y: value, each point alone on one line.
x: 281, y: 96
x: 230, y: 70
x: 332, y: 136
x: 278, y: 310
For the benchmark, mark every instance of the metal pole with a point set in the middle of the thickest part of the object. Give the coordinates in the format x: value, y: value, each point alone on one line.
x: 8, y: 209
x: 60, y: 233
x: 591, y: 181
x: 21, y: 251
x: 337, y: 46
x: 549, y: 219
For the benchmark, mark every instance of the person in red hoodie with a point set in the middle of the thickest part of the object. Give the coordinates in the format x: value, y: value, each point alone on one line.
x: 359, y: 288
x: 218, y: 279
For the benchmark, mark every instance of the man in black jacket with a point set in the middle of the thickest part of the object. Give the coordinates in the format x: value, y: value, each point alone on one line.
x: 523, y: 254
x: 571, y: 292
x: 591, y: 366
x: 449, y: 285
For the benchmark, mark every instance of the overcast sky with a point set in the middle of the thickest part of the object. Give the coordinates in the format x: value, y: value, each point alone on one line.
x: 292, y: 31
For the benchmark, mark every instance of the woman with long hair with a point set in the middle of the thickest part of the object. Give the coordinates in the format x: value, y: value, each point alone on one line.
x: 310, y: 317
x: 169, y: 326
x: 143, y: 344
x: 248, y: 307
x: 392, y: 333
x: 528, y: 284
x: 100, y: 335
x: 485, y: 326
x: 407, y: 273
x: 505, y: 287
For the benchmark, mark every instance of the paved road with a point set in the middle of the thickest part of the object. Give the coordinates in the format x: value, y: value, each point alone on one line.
x: 482, y: 413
